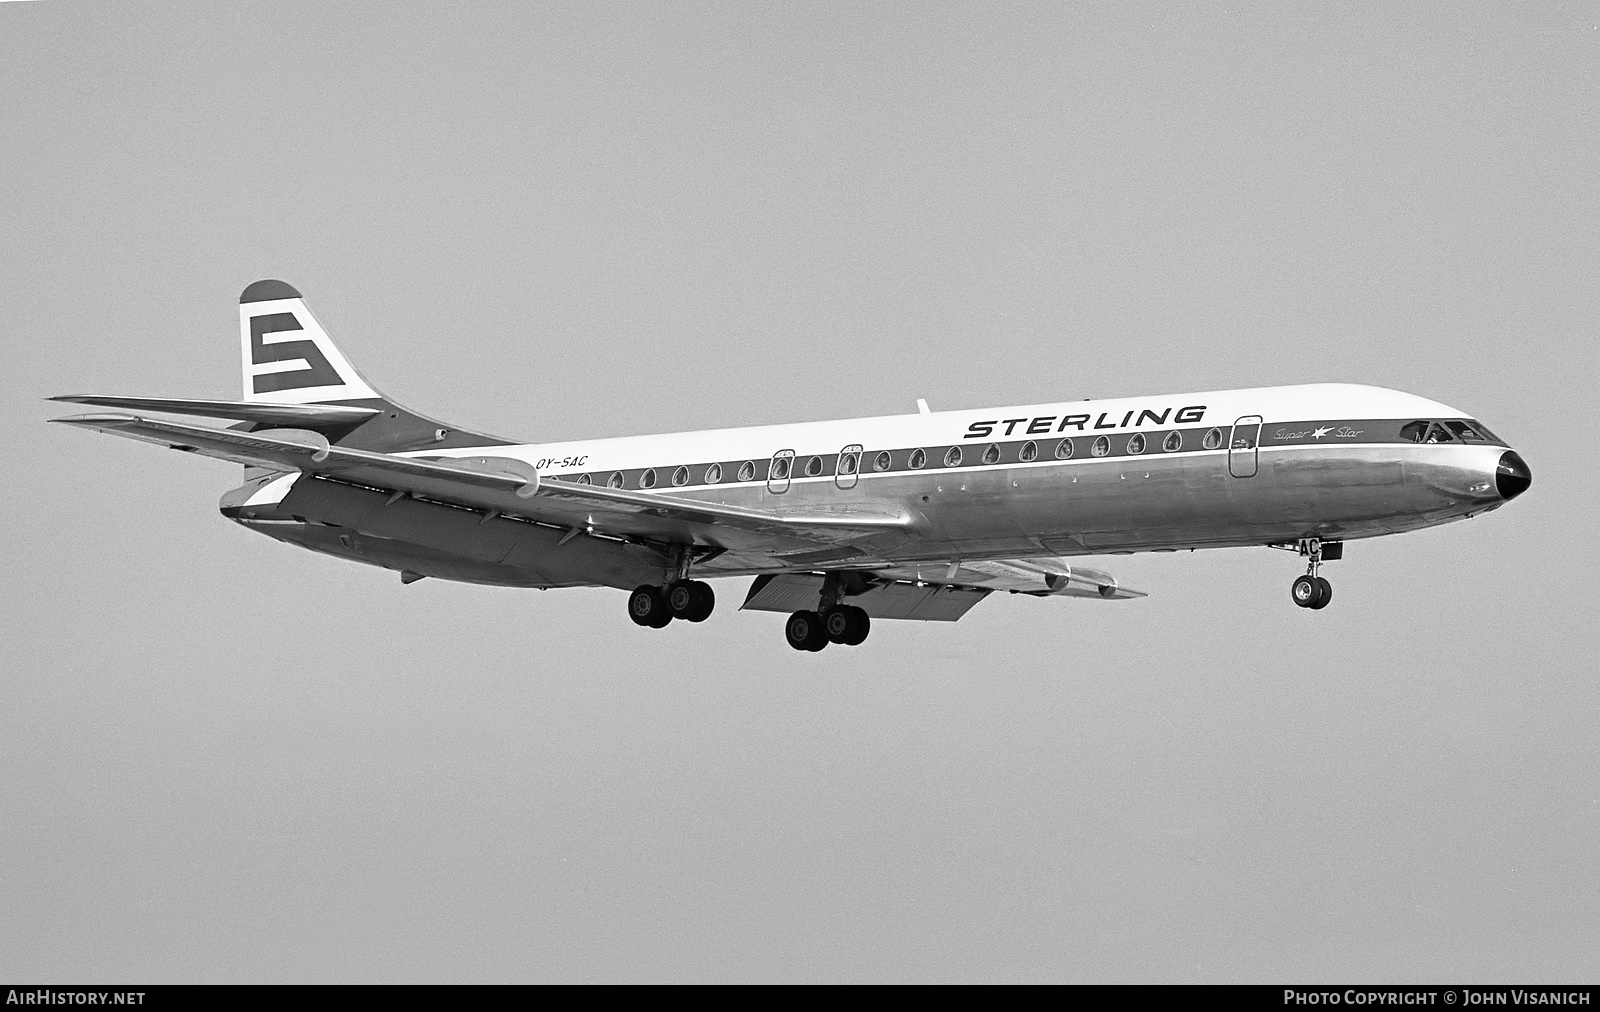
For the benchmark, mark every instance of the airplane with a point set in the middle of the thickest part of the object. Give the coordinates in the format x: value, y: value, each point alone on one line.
x: 915, y: 516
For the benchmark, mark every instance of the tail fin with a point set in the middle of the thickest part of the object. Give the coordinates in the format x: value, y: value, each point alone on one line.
x: 288, y: 357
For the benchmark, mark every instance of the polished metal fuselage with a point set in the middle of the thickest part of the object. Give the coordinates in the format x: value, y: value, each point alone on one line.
x: 1052, y: 508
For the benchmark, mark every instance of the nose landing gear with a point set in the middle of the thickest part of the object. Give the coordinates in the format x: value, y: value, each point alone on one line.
x: 1312, y: 591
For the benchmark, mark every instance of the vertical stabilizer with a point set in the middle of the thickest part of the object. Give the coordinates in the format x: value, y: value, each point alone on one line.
x: 288, y: 357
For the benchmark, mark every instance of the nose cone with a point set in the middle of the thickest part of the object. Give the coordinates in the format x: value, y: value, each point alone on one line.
x: 1512, y: 476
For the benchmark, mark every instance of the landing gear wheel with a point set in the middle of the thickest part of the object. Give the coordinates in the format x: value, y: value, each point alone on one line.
x: 647, y: 606
x: 805, y: 631
x: 1324, y: 595
x: 859, y: 628
x: 1305, y: 591
x: 846, y: 624
x: 691, y: 600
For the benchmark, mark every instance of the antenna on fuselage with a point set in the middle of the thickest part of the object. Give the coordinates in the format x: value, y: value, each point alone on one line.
x: 922, y: 407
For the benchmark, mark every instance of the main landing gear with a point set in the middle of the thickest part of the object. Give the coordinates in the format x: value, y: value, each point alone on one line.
x: 842, y: 623
x: 1312, y: 591
x: 833, y: 621
x: 690, y: 600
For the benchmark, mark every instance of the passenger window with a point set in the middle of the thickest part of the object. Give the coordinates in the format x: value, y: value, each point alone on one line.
x: 648, y: 479
x: 1213, y: 440
x: 747, y: 471
x: 713, y: 474
x: 1466, y: 432
x: 1414, y: 431
x: 847, y: 464
x: 1174, y: 442
x: 813, y: 467
x: 780, y: 468
x: 615, y: 481
x: 680, y: 476
x: 1102, y: 446
x: 882, y: 461
x: 992, y: 454
x: 918, y: 458
x: 583, y: 479
x: 1136, y: 444
x: 1064, y: 449
x: 1030, y: 451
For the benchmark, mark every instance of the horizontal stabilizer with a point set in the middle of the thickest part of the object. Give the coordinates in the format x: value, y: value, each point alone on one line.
x: 303, y: 415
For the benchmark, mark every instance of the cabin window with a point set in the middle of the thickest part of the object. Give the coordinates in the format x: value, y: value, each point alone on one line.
x: 847, y: 464
x: 615, y: 481
x: 1102, y: 446
x: 1466, y: 432
x: 680, y: 476
x: 1029, y: 451
x: 1136, y: 444
x: 583, y: 479
x: 1173, y: 442
x: 952, y: 457
x: 813, y: 467
x: 747, y: 471
x: 713, y: 474
x: 1414, y: 431
x: 992, y: 454
x: 882, y: 461
x: 1213, y: 440
x: 1064, y: 449
x: 918, y: 458
x: 779, y: 469
x: 648, y: 479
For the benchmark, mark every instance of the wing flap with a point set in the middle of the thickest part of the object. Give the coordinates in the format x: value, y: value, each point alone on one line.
x: 790, y: 592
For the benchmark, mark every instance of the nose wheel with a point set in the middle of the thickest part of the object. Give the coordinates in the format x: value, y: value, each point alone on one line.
x: 1312, y: 591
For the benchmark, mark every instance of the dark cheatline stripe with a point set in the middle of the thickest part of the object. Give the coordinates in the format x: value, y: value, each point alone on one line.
x: 975, y: 452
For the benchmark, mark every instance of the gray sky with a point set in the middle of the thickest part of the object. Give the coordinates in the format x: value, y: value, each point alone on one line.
x: 222, y: 759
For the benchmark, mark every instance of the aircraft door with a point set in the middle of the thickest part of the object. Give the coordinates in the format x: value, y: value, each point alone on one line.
x: 848, y: 471
x: 779, y: 470
x: 1243, y: 446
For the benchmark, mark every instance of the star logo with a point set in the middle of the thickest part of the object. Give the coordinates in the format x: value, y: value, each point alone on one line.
x: 1319, y: 433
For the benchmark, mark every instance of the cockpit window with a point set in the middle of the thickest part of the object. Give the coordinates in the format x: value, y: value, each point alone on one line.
x: 1438, y: 434
x: 1465, y: 432
x: 1414, y: 431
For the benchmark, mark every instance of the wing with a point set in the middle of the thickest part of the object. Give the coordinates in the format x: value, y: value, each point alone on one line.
x: 511, y: 487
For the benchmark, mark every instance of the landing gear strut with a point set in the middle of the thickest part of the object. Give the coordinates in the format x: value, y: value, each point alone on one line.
x: 1312, y: 591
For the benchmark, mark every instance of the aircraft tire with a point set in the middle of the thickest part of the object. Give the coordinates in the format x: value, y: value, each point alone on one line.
x: 805, y: 631
x: 1304, y: 591
x: 647, y: 606
x: 836, y: 622
x: 1324, y: 595
x: 705, y: 601
x: 860, y: 626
